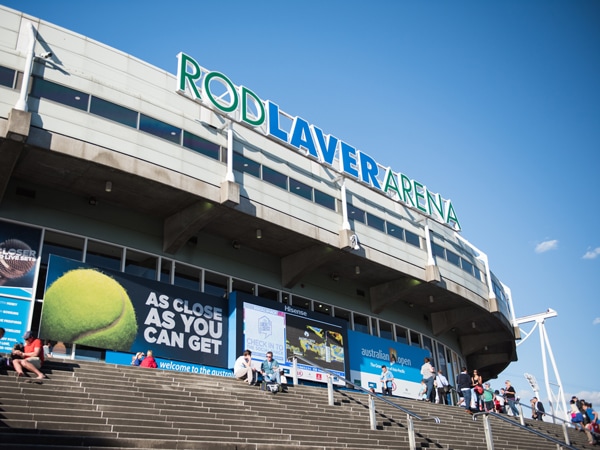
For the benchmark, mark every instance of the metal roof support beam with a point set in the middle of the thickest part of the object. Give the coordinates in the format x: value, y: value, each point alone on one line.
x: 181, y: 226
x: 296, y: 266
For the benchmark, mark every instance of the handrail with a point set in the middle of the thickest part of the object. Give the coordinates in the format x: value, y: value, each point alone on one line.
x: 360, y: 388
x: 562, y: 444
x: 410, y: 415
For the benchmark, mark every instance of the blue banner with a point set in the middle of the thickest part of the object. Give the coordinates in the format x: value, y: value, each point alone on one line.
x: 370, y: 353
x: 14, y: 317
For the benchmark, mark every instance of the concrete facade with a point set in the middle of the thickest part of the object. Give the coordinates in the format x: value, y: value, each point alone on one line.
x: 180, y: 206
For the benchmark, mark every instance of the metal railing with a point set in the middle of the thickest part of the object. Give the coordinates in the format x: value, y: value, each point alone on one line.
x: 410, y: 415
x: 487, y: 428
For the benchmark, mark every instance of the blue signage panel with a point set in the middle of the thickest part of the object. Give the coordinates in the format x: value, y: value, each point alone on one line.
x: 14, y: 318
x: 367, y: 355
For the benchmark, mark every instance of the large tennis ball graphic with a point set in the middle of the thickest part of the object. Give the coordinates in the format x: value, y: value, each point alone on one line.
x: 87, y: 307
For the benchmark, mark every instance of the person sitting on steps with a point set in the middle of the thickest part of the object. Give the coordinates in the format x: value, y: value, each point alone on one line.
x: 31, y: 358
x: 243, y: 370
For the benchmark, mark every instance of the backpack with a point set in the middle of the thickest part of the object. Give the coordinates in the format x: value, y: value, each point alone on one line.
x: 270, y: 386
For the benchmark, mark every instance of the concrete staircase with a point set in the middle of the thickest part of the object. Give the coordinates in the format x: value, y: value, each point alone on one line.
x: 94, y: 405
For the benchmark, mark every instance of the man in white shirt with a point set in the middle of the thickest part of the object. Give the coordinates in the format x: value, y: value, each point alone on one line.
x: 428, y: 372
x: 442, y: 388
x: 243, y: 370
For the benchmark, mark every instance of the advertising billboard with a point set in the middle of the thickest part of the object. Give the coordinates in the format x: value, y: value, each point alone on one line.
x: 287, y: 331
x: 19, y: 259
x: 105, y: 309
x: 369, y: 353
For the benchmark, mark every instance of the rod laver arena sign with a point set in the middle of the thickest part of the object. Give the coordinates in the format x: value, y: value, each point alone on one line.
x: 240, y: 104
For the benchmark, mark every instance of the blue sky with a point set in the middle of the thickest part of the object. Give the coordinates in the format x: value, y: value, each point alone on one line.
x: 494, y: 105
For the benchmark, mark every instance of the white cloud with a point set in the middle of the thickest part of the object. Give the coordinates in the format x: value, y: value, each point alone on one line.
x: 546, y: 246
x: 592, y: 254
x: 596, y: 321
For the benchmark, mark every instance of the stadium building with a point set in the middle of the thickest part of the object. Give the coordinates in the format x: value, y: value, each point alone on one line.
x: 228, y: 222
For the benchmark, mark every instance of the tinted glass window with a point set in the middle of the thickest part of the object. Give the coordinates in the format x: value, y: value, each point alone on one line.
x: 103, y: 255
x: 301, y: 302
x: 355, y: 213
x: 7, y: 77
x: 216, y: 284
x: 385, y: 330
x: 187, y: 277
x: 324, y: 200
x: 141, y: 264
x: 160, y: 129
x: 243, y: 164
x: 265, y: 292
x: 453, y: 258
x: 401, y: 335
x: 375, y: 222
x: 200, y: 145
x: 412, y: 238
x: 301, y: 189
x: 274, y: 177
x: 395, y: 231
x: 361, y: 324
x: 61, y: 94
x: 467, y: 266
x: 114, y: 112
x: 437, y: 250
x: 415, y: 339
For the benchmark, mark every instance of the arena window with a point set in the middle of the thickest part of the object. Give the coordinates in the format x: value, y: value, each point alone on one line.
x: 415, y: 339
x: 362, y: 323
x: 141, y: 264
x: 453, y: 258
x: 355, y: 213
x: 401, y: 334
x: 216, y: 284
x: 104, y: 255
x: 160, y: 129
x: 60, y: 94
x: 275, y: 178
x: 322, y: 308
x: 116, y: 113
x: 201, y: 145
x: 412, y: 238
x: 324, y: 200
x: 395, y: 231
x: 268, y: 293
x: 467, y: 266
x: 386, y: 330
x: 301, y: 189
x: 187, y: 276
x: 438, y: 250
x: 245, y: 165
x: 375, y: 222
x: 341, y: 313
x: 243, y: 286
x: 301, y: 302
x: 7, y: 77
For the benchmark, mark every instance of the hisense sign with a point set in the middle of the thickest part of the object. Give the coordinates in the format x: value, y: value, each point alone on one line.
x: 216, y: 91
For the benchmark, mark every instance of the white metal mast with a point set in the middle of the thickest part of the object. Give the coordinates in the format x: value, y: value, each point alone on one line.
x: 557, y: 400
